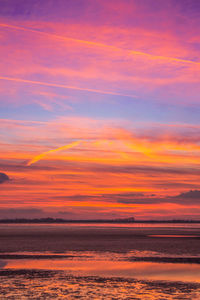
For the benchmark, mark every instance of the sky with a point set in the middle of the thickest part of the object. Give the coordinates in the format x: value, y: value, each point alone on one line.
x: 99, y: 109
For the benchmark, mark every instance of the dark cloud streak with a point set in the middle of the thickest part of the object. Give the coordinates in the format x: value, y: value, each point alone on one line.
x: 3, y: 178
x: 188, y: 198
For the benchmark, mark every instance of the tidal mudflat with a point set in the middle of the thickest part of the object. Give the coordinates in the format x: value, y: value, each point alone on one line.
x: 134, y: 261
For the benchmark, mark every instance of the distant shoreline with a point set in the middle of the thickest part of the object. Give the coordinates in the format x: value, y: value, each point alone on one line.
x: 114, y: 221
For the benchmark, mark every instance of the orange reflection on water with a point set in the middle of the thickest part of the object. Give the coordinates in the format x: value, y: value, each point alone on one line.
x: 139, y: 270
x: 174, y: 236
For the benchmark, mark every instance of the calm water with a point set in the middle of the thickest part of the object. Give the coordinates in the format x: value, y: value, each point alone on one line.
x: 101, y: 261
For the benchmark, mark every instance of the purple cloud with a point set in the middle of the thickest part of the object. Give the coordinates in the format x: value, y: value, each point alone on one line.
x: 3, y: 178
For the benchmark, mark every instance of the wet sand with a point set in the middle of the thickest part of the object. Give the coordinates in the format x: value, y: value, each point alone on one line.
x: 34, y: 284
x: 160, y: 259
x: 14, y: 238
x: 99, y: 262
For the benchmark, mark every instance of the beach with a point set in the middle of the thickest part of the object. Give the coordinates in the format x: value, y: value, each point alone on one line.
x: 100, y: 261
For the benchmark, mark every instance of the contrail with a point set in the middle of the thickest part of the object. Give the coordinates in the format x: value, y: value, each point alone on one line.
x: 68, y: 146
x: 40, y: 156
x: 133, y: 145
x: 89, y: 43
x: 64, y: 86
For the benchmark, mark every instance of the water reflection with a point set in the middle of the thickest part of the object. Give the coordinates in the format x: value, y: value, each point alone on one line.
x: 174, y: 236
x: 100, y: 225
x: 138, y: 270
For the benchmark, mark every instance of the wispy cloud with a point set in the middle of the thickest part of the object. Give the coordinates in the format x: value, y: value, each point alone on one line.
x: 96, y: 44
x: 63, y: 86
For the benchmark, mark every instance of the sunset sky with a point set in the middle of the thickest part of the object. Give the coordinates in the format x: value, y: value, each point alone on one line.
x: 100, y: 109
